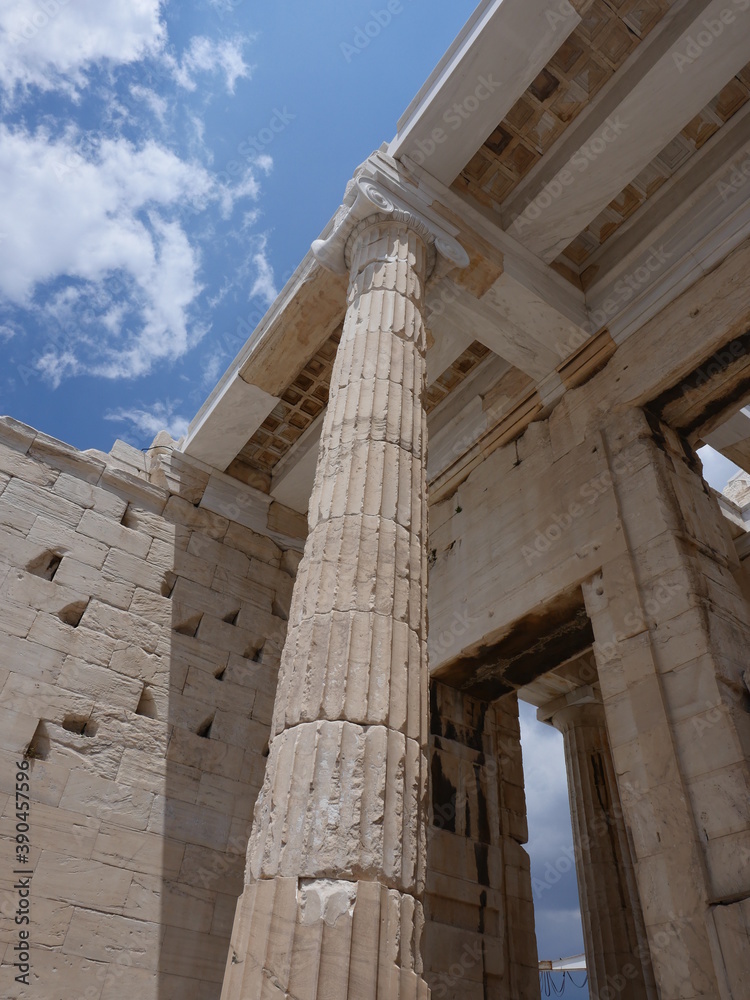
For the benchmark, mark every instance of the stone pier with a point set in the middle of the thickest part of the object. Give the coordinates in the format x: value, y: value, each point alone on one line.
x: 617, y: 953
x: 672, y: 633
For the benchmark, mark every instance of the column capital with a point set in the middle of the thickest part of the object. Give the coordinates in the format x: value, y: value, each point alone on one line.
x: 580, y: 707
x: 373, y: 195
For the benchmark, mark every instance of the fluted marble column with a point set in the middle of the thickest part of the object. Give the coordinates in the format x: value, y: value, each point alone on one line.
x: 332, y: 906
x: 617, y: 955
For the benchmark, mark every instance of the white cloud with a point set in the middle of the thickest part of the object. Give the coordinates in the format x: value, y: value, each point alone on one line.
x: 212, y: 370
x: 147, y: 421
x: 246, y: 186
x: 86, y: 219
x: 264, y: 162
x: 207, y: 56
x: 264, y: 285
x: 546, y: 785
x: 151, y: 99
x: 54, y: 43
x: 70, y: 214
x: 56, y: 365
x: 104, y: 222
x: 170, y: 284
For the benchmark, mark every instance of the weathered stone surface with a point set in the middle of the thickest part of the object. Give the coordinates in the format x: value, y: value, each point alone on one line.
x: 102, y: 937
x: 24, y: 695
x: 134, y: 489
x: 177, y: 474
x: 198, y: 518
x: 17, y: 463
x: 16, y: 550
x: 90, y: 496
x: 94, y: 582
x: 370, y: 792
x: 104, y: 685
x: 17, y: 621
x: 25, y: 590
x: 477, y: 872
x: 65, y: 457
x: 129, y: 568
x: 42, y: 502
x: 64, y: 541
x: 85, y: 883
x: 614, y: 932
x: 16, y: 433
x: 255, y: 545
x: 14, y: 517
x: 101, y: 528
x: 16, y: 730
x: 343, y: 797
x: 318, y: 937
x: 107, y: 699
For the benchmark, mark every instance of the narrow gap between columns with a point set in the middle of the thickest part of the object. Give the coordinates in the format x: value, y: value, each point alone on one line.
x: 557, y: 914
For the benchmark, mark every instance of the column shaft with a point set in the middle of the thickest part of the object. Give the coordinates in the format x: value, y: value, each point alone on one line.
x: 617, y: 954
x: 335, y: 876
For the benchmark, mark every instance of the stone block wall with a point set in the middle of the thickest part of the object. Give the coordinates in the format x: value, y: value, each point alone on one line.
x: 480, y: 942
x: 143, y: 604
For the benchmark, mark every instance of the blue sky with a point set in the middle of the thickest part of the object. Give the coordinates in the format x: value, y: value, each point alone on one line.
x: 163, y: 169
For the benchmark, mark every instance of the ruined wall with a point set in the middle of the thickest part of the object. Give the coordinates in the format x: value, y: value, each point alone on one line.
x: 672, y: 631
x: 624, y: 517
x: 142, y: 612
x: 479, y: 932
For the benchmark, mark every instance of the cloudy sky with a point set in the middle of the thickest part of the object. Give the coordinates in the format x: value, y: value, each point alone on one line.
x: 164, y: 166
x: 163, y: 169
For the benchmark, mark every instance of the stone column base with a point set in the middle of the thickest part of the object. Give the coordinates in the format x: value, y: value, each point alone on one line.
x: 325, y: 939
